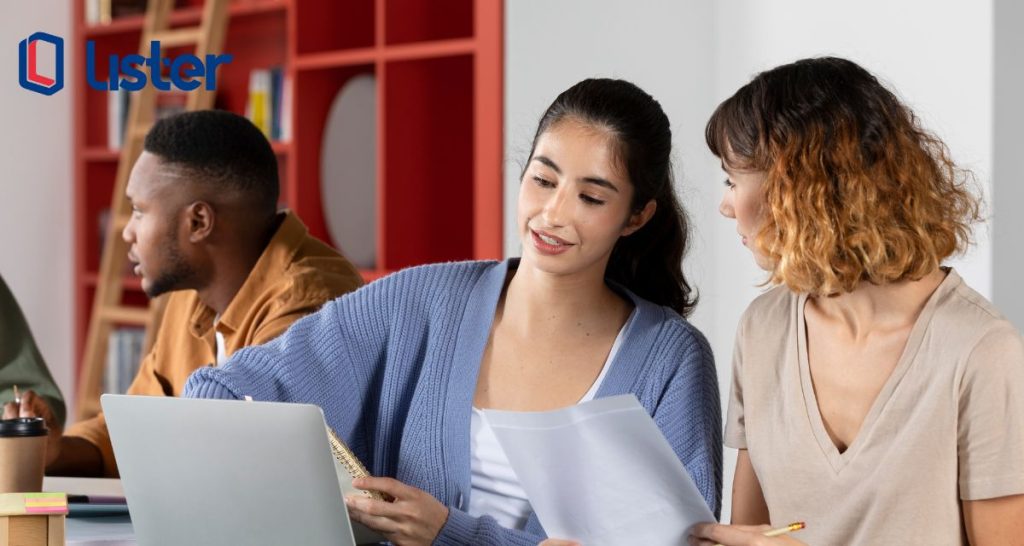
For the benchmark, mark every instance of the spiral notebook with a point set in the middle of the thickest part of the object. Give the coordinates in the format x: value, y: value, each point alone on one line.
x: 349, y: 466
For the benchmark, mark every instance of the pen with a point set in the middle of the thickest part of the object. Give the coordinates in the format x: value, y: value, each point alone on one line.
x: 796, y: 526
x: 17, y: 396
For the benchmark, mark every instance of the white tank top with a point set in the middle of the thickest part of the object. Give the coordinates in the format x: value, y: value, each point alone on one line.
x: 496, y: 490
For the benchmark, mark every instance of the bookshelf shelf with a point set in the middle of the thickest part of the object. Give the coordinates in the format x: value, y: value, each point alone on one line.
x: 430, y: 50
x: 130, y: 283
x: 184, y: 16
x: 281, y: 149
x: 103, y: 154
x: 437, y: 69
x: 354, y: 57
x: 100, y: 154
x: 336, y: 59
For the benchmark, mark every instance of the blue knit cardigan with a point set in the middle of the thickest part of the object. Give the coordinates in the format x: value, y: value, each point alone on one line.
x: 394, y: 366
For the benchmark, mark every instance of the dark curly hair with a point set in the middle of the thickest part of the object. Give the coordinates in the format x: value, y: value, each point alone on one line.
x: 648, y: 261
x: 856, y: 190
x: 222, y: 150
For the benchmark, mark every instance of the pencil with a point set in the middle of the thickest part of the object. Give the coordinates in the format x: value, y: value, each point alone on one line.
x: 787, y: 529
x: 796, y: 526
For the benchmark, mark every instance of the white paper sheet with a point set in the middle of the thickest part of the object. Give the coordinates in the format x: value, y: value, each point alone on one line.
x: 601, y: 473
x: 92, y: 487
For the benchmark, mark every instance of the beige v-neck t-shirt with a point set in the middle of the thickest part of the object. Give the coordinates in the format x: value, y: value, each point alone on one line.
x: 947, y: 426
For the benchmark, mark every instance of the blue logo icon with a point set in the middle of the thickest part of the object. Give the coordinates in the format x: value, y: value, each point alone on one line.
x: 29, y: 76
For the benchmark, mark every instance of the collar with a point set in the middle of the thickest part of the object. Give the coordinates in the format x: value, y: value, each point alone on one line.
x: 279, y: 252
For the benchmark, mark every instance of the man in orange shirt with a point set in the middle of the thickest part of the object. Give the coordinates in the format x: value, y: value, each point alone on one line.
x: 205, y: 227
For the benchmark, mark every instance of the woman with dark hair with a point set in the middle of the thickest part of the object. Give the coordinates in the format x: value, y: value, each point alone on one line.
x: 593, y: 308
x: 875, y: 395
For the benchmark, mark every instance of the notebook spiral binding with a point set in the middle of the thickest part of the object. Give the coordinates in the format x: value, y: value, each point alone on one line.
x: 352, y: 464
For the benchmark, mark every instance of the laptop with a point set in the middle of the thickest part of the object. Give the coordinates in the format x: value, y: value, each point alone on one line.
x: 227, y: 472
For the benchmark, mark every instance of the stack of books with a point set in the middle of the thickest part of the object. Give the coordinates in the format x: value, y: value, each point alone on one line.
x: 269, y: 103
x: 124, y: 353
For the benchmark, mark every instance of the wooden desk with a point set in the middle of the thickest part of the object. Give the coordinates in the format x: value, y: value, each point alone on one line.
x: 113, y: 530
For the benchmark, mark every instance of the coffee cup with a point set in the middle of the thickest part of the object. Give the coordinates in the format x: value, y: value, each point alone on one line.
x: 22, y: 454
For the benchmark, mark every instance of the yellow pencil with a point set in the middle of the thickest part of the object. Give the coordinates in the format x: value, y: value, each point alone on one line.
x: 787, y: 529
x: 796, y: 526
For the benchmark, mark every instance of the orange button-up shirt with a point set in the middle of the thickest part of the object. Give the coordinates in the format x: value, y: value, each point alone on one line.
x: 294, y: 276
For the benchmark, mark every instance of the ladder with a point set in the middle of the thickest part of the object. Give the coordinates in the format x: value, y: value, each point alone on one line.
x: 107, y: 310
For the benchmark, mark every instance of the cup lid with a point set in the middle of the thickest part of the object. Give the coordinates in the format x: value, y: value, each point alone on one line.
x: 22, y: 426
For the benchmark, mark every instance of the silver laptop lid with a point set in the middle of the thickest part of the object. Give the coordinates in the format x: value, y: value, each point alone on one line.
x: 226, y: 472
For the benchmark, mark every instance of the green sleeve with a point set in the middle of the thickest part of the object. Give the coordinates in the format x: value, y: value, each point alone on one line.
x: 21, y: 363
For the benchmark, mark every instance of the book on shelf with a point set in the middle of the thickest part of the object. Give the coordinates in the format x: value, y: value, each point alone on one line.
x: 276, y: 83
x: 284, y: 115
x: 92, y: 12
x: 167, y: 103
x: 124, y: 353
x: 117, y: 117
x: 101, y: 12
x: 268, y: 102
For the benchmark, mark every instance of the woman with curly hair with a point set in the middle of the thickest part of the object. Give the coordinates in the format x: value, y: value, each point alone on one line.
x: 875, y: 395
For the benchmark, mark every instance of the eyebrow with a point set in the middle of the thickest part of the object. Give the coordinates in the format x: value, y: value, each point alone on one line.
x: 601, y: 182
x: 597, y: 181
x: 547, y: 162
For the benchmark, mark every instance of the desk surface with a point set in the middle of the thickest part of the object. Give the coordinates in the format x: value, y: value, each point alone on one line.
x: 101, y: 531
x: 114, y: 530
x: 93, y: 531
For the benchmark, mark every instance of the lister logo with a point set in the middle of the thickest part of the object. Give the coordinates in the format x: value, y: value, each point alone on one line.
x: 29, y: 75
x: 185, y: 72
x: 127, y: 73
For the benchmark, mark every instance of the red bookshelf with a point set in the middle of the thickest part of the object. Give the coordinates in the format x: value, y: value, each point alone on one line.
x: 438, y: 69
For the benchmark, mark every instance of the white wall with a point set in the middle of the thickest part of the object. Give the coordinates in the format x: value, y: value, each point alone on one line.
x: 1007, y: 168
x: 35, y: 187
x: 691, y: 55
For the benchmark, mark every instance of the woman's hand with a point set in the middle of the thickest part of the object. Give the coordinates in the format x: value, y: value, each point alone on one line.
x: 414, y: 518
x: 33, y: 405
x: 708, y: 534
x: 559, y: 542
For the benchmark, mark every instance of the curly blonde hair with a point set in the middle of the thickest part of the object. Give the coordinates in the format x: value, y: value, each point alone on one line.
x: 856, y: 190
